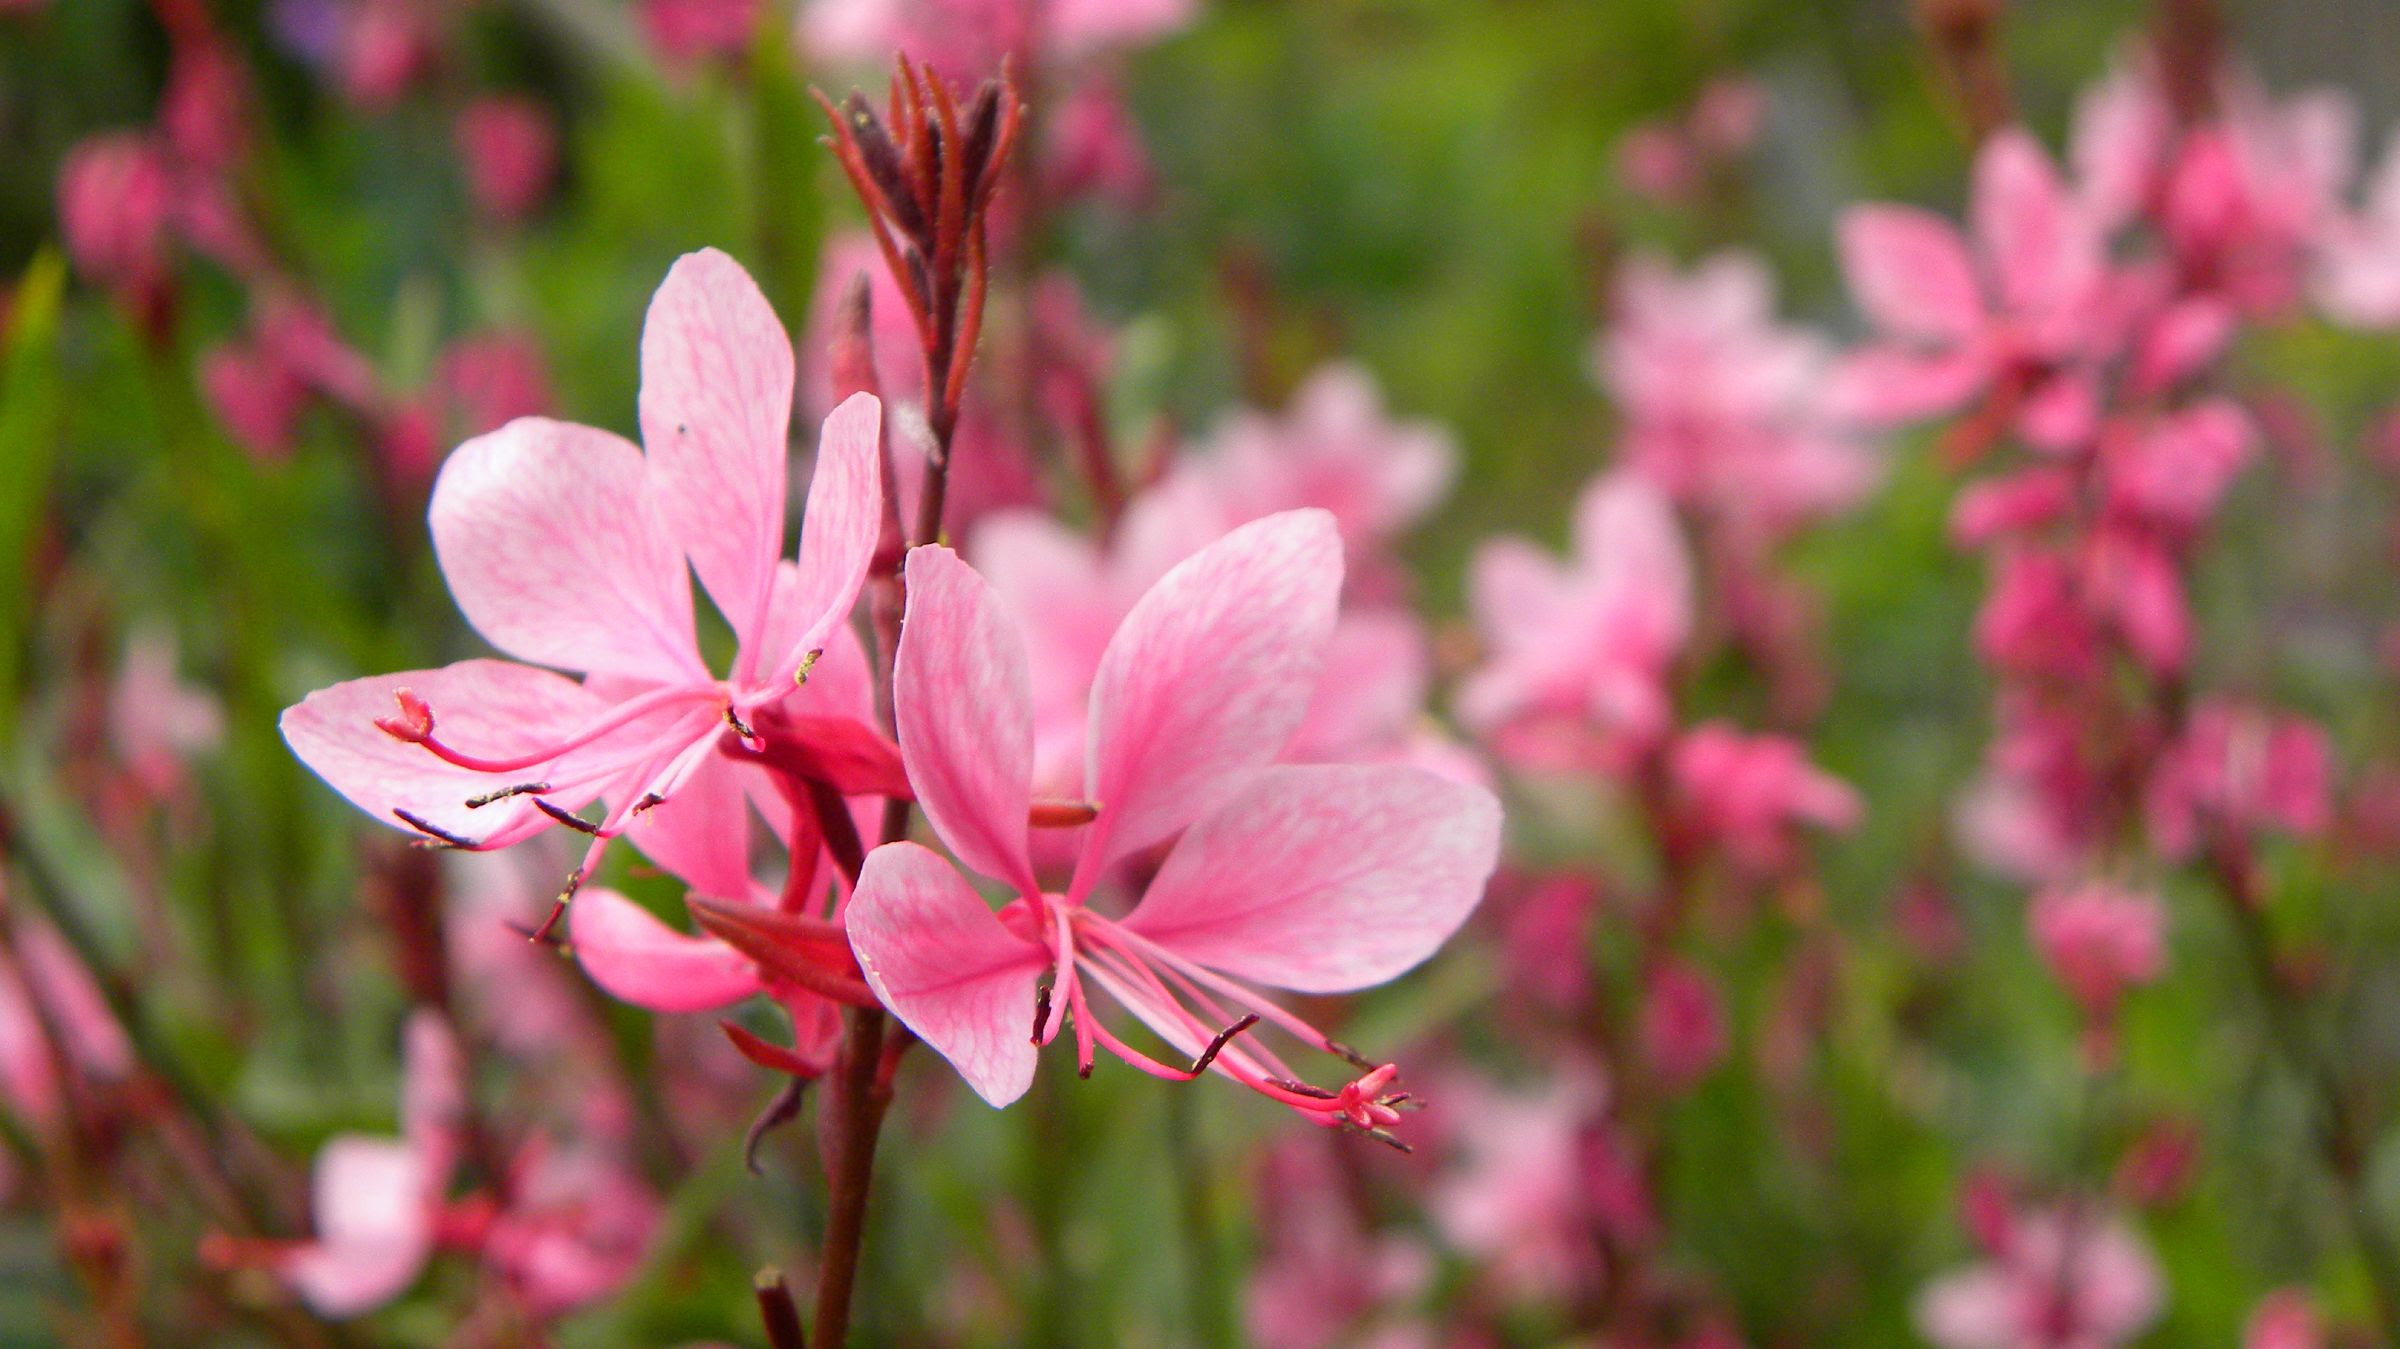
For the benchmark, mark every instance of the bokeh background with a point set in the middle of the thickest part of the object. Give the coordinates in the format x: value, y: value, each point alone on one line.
x: 1431, y: 188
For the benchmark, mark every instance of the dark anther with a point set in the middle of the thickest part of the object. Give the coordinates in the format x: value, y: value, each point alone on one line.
x: 1041, y: 1010
x: 648, y: 801
x: 432, y: 830
x: 521, y: 789
x: 566, y: 817
x: 1357, y: 1060
x: 1217, y: 1046
x: 1388, y: 1139
x: 1305, y: 1089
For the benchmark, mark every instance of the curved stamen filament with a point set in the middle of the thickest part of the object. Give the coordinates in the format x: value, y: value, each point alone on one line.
x: 1174, y: 964
x: 623, y: 714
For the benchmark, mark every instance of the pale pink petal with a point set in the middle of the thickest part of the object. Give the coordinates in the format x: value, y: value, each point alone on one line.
x: 716, y: 403
x: 1210, y: 674
x: 546, y: 534
x: 701, y: 834
x: 942, y: 961
x: 488, y: 707
x: 837, y: 539
x: 2041, y: 250
x: 1977, y: 1308
x: 373, y: 1229
x: 1325, y: 877
x: 641, y: 960
x: 963, y: 698
x: 1880, y: 386
x: 1909, y: 272
x: 433, y: 1096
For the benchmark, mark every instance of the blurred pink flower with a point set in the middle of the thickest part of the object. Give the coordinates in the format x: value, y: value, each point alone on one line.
x: 1517, y: 1200
x: 568, y: 546
x: 1578, y: 655
x: 1095, y: 150
x: 1322, y: 1274
x: 1725, y: 409
x: 2010, y: 311
x: 46, y: 991
x: 510, y: 146
x: 383, y: 49
x: 2099, y: 940
x: 1670, y: 160
x: 492, y: 379
x: 157, y: 722
x: 2357, y: 277
x: 1321, y: 878
x: 966, y: 39
x: 1684, y: 1030
x: 2064, y: 1279
x: 1749, y: 792
x: 683, y: 32
x: 2240, y: 767
x: 258, y: 398
x: 2284, y: 1319
x: 115, y: 196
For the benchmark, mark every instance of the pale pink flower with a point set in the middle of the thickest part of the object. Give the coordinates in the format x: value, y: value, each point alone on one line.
x: 1315, y: 878
x: 2169, y: 472
x: 2246, y: 199
x: 686, y: 31
x: 1578, y: 654
x: 1750, y: 792
x: 2284, y: 1319
x: 1724, y: 407
x: 157, y: 722
x: 2098, y: 941
x: 2008, y: 312
x: 46, y: 991
x: 510, y: 146
x: 2064, y: 1279
x: 577, y: 1226
x: 966, y: 39
x: 1322, y: 1274
x: 2357, y: 279
x: 1517, y: 1199
x: 568, y: 546
x: 2244, y: 768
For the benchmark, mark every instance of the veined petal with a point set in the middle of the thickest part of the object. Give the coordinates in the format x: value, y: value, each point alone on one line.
x: 548, y: 538
x: 942, y: 961
x: 962, y: 696
x: 1909, y: 272
x: 2042, y: 250
x: 493, y: 707
x: 716, y: 403
x: 1325, y: 877
x: 837, y: 538
x: 1209, y: 675
x: 638, y: 959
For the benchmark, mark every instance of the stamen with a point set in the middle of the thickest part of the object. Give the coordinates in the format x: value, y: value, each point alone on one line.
x: 740, y: 727
x: 420, y: 731
x: 808, y: 662
x: 435, y: 831
x: 1217, y: 1045
x: 521, y: 789
x: 566, y: 817
x: 558, y: 909
x: 1062, y: 814
x: 1041, y: 1011
x: 1343, y: 1051
x: 414, y: 725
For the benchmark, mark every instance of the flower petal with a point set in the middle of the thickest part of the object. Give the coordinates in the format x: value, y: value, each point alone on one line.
x: 1909, y: 272
x: 716, y: 403
x: 1325, y: 877
x: 701, y: 834
x: 837, y: 539
x: 638, y: 959
x: 490, y: 707
x: 2041, y: 249
x: 962, y: 696
x: 942, y: 961
x: 1209, y: 675
x: 549, y: 541
x: 372, y: 1224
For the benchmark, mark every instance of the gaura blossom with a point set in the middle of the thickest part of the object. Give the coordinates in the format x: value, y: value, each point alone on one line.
x: 2284, y: 1319
x: 2058, y: 1278
x: 1325, y: 1276
x: 2009, y: 314
x: 157, y: 722
x: 1315, y: 878
x: 683, y: 32
x: 2242, y: 767
x: 966, y: 39
x: 45, y: 990
x: 2099, y: 940
x: 1520, y: 1198
x: 568, y: 547
x: 1750, y: 792
x: 509, y: 144
x: 1578, y: 655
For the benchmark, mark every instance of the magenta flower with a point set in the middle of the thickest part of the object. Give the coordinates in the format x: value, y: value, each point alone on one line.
x: 1749, y: 793
x: 1577, y: 656
x: 2284, y: 1319
x: 1319, y: 879
x: 2241, y: 767
x: 568, y: 547
x: 2099, y: 940
x: 2006, y: 314
x: 510, y: 146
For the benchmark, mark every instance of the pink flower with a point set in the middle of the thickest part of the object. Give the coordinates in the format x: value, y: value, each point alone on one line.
x: 2099, y: 940
x: 44, y: 991
x: 2063, y: 1279
x: 158, y: 722
x: 965, y: 39
x: 1724, y: 408
x: 1320, y: 878
x: 492, y: 379
x: 1323, y: 1272
x: 2243, y: 768
x: 1517, y: 1200
x: 683, y: 32
x: 1749, y: 792
x: 2284, y: 1319
x: 2357, y: 280
x: 2008, y: 313
x: 510, y: 145
x: 1684, y: 1032
x: 115, y: 197
x: 384, y: 47
x: 258, y: 398
x: 1578, y: 654
x: 568, y: 547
